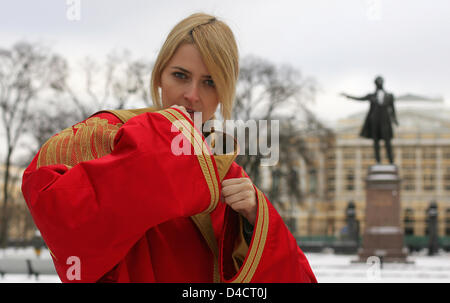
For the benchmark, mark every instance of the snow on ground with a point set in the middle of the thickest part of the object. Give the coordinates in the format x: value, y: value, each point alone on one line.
x: 328, y: 268
x: 22, y: 254
x: 26, y: 252
x: 15, y: 278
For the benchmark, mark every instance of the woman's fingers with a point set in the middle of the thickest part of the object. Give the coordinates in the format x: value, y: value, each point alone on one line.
x: 240, y: 195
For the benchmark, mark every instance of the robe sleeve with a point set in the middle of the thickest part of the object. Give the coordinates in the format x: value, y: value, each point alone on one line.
x: 273, y: 254
x: 98, y: 209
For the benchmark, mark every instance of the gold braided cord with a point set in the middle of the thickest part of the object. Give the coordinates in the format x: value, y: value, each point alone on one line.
x: 259, y: 240
x: 204, y: 159
x: 203, y: 154
x: 88, y: 140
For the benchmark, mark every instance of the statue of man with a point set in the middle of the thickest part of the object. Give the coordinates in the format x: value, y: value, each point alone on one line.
x: 378, y: 123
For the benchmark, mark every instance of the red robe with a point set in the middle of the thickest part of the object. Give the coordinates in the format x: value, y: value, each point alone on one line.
x: 111, y: 192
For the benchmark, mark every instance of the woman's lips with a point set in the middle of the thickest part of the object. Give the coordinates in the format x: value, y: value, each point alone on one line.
x: 191, y: 113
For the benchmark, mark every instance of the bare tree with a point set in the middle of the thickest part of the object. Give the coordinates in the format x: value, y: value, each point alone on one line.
x: 44, y: 122
x: 41, y: 95
x: 135, y: 83
x: 25, y: 71
x: 263, y: 88
x: 111, y: 85
x: 130, y: 80
x: 266, y: 91
x: 271, y: 92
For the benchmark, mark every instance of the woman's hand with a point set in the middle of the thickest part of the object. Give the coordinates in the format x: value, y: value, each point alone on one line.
x: 240, y: 195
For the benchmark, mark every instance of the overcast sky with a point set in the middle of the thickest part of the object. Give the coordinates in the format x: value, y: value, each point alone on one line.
x: 342, y: 44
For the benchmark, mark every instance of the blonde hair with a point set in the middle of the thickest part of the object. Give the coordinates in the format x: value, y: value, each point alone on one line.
x: 217, y: 46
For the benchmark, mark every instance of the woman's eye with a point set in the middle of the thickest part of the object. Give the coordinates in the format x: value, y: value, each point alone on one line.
x: 179, y: 75
x: 210, y: 82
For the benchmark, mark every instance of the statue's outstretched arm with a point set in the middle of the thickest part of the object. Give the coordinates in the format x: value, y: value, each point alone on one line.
x: 365, y: 98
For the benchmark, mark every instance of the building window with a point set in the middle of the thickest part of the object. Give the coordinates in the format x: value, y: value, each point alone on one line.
x: 447, y: 222
x: 312, y: 181
x: 350, y: 179
x: 409, y: 222
x: 429, y: 153
x: 408, y: 155
x: 447, y: 178
x: 349, y: 156
x: 408, y: 181
x: 446, y: 153
x: 350, y: 176
x: 409, y: 178
x: 409, y: 187
x: 428, y: 182
x: 368, y: 155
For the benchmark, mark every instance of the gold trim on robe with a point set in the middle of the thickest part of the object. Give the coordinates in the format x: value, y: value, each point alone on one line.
x: 125, y: 114
x: 258, y: 242
x: 200, y: 150
x: 88, y: 140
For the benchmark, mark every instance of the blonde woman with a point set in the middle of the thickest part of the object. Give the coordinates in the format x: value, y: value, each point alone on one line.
x: 115, y: 203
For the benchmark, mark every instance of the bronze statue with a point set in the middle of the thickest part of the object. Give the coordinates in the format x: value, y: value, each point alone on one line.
x: 378, y: 123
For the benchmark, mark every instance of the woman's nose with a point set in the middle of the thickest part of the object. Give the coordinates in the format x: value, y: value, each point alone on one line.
x: 192, y: 93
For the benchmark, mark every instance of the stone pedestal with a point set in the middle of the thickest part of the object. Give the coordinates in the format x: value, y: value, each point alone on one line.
x: 383, y: 235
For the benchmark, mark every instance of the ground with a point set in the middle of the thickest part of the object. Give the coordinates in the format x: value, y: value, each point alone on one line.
x: 328, y: 268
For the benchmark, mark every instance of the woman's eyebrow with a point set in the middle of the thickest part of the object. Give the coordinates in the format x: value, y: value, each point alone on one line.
x: 188, y: 72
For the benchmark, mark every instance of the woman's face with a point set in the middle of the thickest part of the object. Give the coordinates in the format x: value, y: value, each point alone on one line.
x: 185, y: 81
